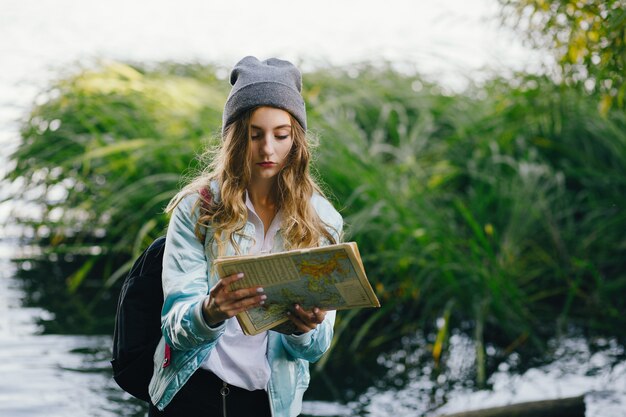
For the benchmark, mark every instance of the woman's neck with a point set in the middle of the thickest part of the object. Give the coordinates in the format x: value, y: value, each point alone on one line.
x: 261, y: 193
x: 264, y: 203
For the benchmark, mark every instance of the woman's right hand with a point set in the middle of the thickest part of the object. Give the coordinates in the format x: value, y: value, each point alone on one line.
x: 222, y: 304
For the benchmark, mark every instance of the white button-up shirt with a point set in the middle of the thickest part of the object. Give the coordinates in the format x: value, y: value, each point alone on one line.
x: 238, y: 359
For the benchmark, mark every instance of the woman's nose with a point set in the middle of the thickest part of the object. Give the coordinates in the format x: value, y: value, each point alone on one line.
x: 268, y: 145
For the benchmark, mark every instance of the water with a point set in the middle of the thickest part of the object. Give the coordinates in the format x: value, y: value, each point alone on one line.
x: 598, y: 372
x: 449, y: 41
x: 51, y: 375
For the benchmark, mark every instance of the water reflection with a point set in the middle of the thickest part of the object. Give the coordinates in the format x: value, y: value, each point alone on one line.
x: 44, y: 286
x: 56, y: 375
x: 576, y: 366
x: 50, y: 375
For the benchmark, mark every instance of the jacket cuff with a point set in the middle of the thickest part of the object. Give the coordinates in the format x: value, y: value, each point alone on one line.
x: 300, y: 339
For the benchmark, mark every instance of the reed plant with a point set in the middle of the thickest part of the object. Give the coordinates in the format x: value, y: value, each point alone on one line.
x: 103, y: 155
x: 480, y: 208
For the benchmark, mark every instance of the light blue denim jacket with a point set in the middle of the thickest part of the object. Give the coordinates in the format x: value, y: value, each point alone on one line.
x: 187, y: 279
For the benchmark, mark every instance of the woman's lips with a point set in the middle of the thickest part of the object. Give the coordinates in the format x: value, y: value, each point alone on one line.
x: 266, y: 164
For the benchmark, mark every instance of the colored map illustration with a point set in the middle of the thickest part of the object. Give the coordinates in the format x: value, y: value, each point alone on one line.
x: 319, y: 273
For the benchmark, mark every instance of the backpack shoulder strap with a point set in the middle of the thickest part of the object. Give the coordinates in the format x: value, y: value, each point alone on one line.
x: 206, y: 197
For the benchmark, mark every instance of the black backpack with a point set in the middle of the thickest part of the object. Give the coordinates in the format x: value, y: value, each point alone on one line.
x: 138, y: 322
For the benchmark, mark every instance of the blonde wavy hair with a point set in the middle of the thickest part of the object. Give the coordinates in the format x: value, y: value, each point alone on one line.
x: 230, y: 169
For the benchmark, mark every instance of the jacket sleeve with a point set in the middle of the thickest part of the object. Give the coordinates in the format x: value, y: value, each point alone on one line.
x: 185, y: 282
x: 312, y: 345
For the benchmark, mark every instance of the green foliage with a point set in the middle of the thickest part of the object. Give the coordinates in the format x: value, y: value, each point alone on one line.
x: 483, y: 202
x: 500, y: 210
x: 588, y: 39
x: 103, y: 155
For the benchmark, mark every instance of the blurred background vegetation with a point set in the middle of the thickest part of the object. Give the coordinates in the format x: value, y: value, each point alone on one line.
x: 587, y: 39
x: 497, y: 212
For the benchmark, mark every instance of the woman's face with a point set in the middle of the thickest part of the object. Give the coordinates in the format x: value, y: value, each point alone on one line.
x: 270, y: 142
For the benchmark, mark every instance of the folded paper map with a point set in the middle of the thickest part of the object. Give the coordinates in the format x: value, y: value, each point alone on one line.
x: 330, y: 277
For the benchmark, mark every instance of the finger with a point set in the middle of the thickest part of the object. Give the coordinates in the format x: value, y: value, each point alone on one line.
x: 219, y: 299
x: 319, y: 315
x: 246, y: 304
x: 304, y: 315
x: 228, y: 305
x: 301, y: 325
x: 226, y: 281
x: 245, y: 293
x: 223, y: 283
x: 241, y: 300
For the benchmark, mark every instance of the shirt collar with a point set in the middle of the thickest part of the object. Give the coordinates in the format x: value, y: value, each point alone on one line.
x: 276, y: 221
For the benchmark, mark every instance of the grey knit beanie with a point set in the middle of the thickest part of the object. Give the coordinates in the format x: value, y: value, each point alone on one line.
x: 273, y: 82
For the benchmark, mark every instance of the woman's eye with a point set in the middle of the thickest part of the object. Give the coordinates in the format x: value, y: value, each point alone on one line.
x: 282, y: 136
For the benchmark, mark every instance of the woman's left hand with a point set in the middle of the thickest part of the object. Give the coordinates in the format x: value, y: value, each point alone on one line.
x: 306, y: 320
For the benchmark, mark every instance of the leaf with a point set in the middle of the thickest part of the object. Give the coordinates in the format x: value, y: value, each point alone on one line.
x: 76, y: 279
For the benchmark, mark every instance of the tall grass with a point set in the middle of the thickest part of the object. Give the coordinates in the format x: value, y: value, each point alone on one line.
x: 499, y: 211
x: 105, y: 153
x: 504, y: 213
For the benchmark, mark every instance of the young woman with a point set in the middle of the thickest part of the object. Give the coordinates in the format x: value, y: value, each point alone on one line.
x: 257, y: 196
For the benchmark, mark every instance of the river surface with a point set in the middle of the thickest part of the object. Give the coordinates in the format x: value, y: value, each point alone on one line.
x: 450, y: 41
